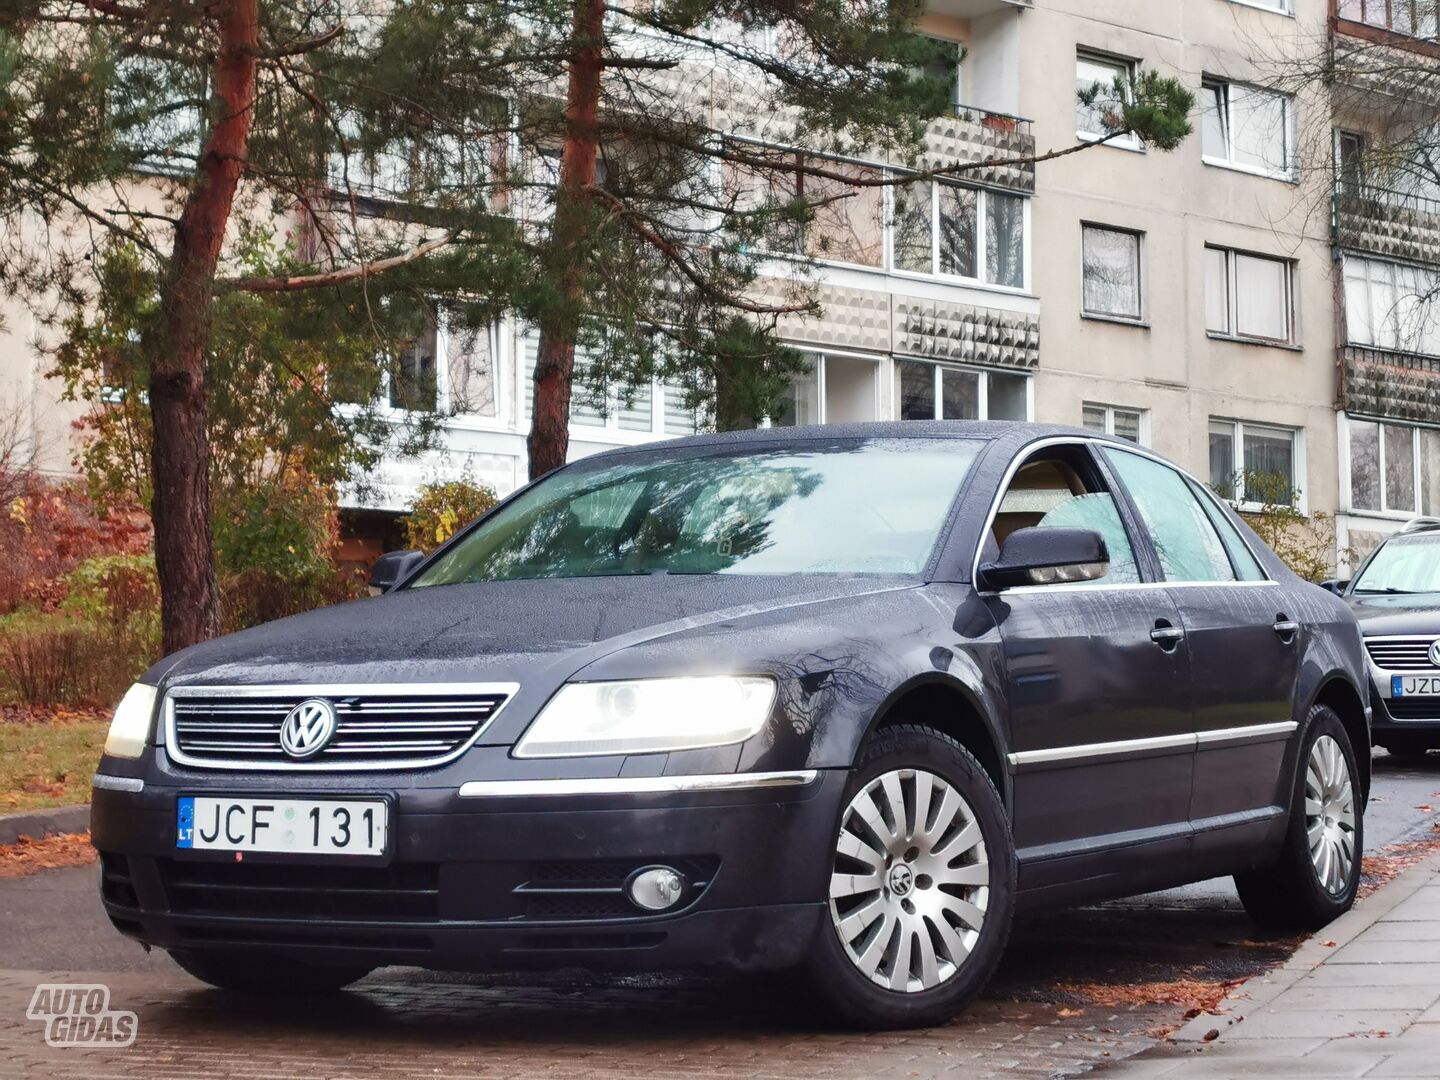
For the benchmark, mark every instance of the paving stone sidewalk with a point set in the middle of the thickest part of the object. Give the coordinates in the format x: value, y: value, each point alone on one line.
x: 1360, y: 999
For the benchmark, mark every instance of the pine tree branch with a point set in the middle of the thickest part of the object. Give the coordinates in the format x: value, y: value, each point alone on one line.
x: 638, y: 223
x: 295, y: 283
x: 305, y: 45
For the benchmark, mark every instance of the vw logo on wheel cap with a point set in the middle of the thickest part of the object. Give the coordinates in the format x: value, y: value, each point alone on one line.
x: 307, y: 728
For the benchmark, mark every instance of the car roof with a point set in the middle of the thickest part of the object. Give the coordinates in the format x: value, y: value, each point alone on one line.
x: 1018, y: 432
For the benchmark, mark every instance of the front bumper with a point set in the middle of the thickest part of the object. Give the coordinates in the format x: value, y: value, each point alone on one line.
x: 498, y: 880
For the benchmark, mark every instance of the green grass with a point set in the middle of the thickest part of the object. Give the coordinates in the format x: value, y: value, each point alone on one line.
x: 48, y: 764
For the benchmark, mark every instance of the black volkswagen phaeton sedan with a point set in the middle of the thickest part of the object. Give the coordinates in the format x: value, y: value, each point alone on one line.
x: 840, y: 698
x: 1396, y: 597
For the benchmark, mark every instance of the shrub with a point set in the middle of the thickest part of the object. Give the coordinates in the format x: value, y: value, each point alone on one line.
x: 257, y: 596
x: 56, y: 659
x: 286, y: 530
x: 442, y: 509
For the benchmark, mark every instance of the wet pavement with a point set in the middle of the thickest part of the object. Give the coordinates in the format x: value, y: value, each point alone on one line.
x: 1077, y: 989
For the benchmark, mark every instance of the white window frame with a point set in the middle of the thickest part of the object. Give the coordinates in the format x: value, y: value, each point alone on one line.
x: 1141, y: 269
x: 1347, y: 475
x: 982, y: 227
x: 1274, y: 7
x: 982, y: 404
x: 1297, y: 458
x: 1375, y: 272
x: 1292, y: 340
x: 817, y: 359
x: 1287, y: 173
x: 1110, y: 411
x: 1125, y: 65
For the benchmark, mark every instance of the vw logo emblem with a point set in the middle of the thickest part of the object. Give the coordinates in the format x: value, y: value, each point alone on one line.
x: 1435, y: 652
x: 307, y: 728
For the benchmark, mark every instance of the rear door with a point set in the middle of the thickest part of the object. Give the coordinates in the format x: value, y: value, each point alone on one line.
x: 1242, y: 640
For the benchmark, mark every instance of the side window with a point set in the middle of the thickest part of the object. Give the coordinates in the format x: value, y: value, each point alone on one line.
x: 1050, y: 493
x: 1185, y: 539
x: 1246, y: 567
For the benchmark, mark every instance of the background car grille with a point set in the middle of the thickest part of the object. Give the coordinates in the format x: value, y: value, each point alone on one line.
x: 371, y: 731
x: 1408, y: 654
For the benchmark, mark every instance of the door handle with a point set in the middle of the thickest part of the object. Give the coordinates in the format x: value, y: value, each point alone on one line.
x: 1166, y: 636
x: 1286, y: 628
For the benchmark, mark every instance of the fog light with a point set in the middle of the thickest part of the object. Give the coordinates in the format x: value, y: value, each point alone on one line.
x: 655, y: 888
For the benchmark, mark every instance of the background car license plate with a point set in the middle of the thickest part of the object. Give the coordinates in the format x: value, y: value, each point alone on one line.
x: 291, y: 826
x: 1415, y: 686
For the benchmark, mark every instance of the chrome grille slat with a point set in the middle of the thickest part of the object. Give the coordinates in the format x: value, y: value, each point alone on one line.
x: 390, y: 726
x: 1401, y: 654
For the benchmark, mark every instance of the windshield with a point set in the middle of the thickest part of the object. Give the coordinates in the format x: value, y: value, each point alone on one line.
x: 1410, y: 565
x: 860, y: 506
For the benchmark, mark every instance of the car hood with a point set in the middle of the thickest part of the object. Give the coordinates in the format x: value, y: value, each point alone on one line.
x: 1384, y: 615
x: 507, y: 631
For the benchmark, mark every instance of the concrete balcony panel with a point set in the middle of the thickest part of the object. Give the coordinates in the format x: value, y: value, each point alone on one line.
x: 975, y: 9
x: 1390, y: 224
x: 976, y: 135
x: 1378, y: 382
x: 966, y: 334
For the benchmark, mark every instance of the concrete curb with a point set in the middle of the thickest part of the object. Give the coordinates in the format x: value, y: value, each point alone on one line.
x: 40, y: 823
x: 1263, y: 989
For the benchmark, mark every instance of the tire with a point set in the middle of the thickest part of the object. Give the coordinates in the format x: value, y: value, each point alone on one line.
x: 898, y: 946
x: 1300, y: 891
x: 265, y: 973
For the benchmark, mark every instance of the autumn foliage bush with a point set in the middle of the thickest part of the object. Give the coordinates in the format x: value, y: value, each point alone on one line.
x: 442, y: 509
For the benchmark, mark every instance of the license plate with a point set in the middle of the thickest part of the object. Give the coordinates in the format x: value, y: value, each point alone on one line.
x: 1415, y: 685
x: 284, y: 826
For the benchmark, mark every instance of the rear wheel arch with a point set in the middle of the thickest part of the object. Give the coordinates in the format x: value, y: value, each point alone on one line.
x: 950, y: 707
x: 1339, y: 694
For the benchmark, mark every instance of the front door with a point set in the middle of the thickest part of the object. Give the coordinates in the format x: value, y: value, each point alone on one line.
x: 1098, y: 679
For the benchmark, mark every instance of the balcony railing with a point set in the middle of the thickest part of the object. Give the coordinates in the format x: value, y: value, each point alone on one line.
x: 1387, y: 222
x: 1371, y: 356
x: 995, y: 121
x: 1419, y: 19
x: 1358, y: 193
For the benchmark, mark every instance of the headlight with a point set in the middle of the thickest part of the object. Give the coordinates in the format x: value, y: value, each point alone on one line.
x: 649, y: 716
x: 131, y: 725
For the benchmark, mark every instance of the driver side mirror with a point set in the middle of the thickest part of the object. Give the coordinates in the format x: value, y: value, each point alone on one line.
x: 1047, y: 556
x: 1336, y: 587
x: 392, y: 568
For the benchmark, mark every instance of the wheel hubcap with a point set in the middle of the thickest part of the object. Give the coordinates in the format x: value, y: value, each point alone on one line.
x: 1330, y: 815
x: 911, y: 881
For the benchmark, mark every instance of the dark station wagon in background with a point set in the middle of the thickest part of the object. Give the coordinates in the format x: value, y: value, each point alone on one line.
x: 841, y: 698
x: 1396, y: 597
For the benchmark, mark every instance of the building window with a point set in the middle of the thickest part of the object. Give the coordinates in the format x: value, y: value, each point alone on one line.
x: 930, y: 391
x: 1129, y: 424
x: 1394, y: 468
x: 412, y: 374
x: 1253, y: 464
x: 1414, y: 18
x: 1246, y: 127
x: 1111, y: 272
x: 963, y: 232
x: 945, y: 66
x: 1113, y: 77
x: 1392, y: 306
x: 1249, y: 296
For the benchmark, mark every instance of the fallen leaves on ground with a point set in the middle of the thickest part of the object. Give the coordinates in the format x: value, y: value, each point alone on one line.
x: 30, y: 856
x: 52, y: 715
x: 1196, y: 995
x: 1394, y: 859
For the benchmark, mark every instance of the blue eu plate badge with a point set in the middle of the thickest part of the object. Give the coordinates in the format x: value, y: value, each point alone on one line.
x: 1397, y: 688
x: 185, y: 823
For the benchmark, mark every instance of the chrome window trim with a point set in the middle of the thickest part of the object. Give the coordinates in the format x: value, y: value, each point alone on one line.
x: 327, y: 690
x: 637, y: 785
x: 1027, y: 451
x: 1191, y: 740
x: 129, y: 784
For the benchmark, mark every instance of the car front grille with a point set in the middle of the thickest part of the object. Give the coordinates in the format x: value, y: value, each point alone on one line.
x: 1420, y: 708
x: 410, y: 727
x: 1401, y: 654
x: 401, y: 892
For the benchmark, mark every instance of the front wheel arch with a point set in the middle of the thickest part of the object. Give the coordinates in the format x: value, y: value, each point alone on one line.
x: 1340, y: 695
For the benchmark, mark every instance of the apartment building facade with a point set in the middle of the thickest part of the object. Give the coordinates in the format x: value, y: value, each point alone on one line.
x: 1205, y: 302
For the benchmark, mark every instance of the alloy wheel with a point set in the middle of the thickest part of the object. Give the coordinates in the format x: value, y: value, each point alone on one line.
x: 910, y: 887
x: 1330, y: 815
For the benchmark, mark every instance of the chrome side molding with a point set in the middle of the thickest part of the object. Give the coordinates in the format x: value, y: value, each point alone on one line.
x: 637, y: 785
x: 1189, y: 740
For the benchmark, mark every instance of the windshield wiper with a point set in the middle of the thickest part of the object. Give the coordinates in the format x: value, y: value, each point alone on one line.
x: 1389, y: 590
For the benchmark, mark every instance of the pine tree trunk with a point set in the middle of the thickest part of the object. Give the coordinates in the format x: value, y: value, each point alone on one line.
x: 549, y: 438
x: 180, y: 453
